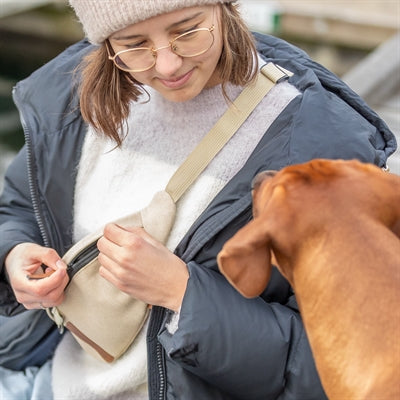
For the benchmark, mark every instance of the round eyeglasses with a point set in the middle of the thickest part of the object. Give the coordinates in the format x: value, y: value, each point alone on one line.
x: 190, y: 44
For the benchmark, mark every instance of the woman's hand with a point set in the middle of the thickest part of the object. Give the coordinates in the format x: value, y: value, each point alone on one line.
x: 141, y: 266
x: 23, y: 263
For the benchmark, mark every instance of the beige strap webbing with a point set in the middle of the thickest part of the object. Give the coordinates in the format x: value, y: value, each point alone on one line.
x: 224, y: 129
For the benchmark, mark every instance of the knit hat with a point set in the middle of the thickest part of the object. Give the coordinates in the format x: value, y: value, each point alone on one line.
x: 101, y: 18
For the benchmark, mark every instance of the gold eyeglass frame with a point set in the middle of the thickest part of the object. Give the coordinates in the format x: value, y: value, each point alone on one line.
x: 154, y: 51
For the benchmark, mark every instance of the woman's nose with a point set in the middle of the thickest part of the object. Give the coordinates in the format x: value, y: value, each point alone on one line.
x: 167, y: 62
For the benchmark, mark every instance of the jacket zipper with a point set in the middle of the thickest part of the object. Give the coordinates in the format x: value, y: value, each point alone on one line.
x: 160, y: 368
x: 32, y: 185
x: 157, y: 378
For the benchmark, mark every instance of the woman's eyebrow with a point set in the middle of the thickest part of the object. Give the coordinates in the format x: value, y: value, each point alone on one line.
x: 172, y: 26
x: 183, y: 21
x: 127, y: 37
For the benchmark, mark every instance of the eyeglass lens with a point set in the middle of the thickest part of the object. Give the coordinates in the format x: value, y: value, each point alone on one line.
x: 189, y: 44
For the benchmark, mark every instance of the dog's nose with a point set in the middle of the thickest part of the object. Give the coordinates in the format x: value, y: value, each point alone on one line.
x: 260, y: 177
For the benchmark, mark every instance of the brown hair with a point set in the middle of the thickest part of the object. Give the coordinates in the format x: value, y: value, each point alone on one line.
x: 106, y: 91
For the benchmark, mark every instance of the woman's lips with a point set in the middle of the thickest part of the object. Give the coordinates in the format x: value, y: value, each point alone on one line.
x: 177, y: 82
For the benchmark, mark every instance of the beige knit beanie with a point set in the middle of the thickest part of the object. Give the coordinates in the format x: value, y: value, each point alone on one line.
x: 101, y: 18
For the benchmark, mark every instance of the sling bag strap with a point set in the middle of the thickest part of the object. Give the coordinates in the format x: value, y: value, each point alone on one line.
x: 224, y: 129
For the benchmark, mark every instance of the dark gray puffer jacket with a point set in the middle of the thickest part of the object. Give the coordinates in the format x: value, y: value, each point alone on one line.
x: 226, y: 347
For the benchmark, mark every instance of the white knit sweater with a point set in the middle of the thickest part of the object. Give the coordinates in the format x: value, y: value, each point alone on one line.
x: 113, y: 182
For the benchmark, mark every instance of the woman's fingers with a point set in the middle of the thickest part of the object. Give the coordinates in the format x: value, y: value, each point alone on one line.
x: 49, y: 290
x: 139, y: 265
x: 28, y: 260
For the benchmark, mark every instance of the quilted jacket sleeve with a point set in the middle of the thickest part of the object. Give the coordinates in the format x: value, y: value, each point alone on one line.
x: 17, y: 224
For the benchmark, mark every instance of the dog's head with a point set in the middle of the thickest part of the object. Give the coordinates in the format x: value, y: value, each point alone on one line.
x: 295, y: 205
x: 245, y: 259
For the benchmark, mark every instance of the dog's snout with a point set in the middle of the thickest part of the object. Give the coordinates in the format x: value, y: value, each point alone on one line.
x: 260, y: 177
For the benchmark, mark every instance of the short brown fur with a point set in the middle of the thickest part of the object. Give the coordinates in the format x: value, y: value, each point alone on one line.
x: 333, y: 228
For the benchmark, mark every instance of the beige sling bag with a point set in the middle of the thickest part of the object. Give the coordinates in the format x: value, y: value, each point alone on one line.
x: 104, y: 320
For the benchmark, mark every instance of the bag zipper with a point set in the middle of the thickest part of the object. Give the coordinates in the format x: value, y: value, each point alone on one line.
x: 82, y: 258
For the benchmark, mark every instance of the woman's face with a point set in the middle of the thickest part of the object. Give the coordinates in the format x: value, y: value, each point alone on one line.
x: 176, y: 78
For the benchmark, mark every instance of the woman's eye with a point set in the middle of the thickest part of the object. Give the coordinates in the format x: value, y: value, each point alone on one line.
x: 183, y: 31
x: 190, y: 35
x: 136, y: 45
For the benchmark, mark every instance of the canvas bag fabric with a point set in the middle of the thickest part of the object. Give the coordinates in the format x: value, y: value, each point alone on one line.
x: 104, y: 320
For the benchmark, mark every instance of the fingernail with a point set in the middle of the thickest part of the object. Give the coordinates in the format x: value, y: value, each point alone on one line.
x: 60, y: 264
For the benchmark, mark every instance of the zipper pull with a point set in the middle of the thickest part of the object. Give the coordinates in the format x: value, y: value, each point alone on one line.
x: 55, y: 315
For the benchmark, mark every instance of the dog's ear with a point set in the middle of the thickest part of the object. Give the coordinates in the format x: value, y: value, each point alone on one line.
x: 245, y: 259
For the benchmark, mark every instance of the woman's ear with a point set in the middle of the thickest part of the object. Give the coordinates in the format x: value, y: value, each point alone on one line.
x: 245, y: 259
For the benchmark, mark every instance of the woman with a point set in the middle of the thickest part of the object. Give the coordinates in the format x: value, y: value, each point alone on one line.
x: 159, y: 75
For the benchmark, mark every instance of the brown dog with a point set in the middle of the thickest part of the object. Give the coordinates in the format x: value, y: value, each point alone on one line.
x: 333, y: 228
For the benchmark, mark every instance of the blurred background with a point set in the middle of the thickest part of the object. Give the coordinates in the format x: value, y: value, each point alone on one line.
x: 358, y: 40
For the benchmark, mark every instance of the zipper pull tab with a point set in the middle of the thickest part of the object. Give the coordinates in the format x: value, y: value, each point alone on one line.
x: 55, y: 315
